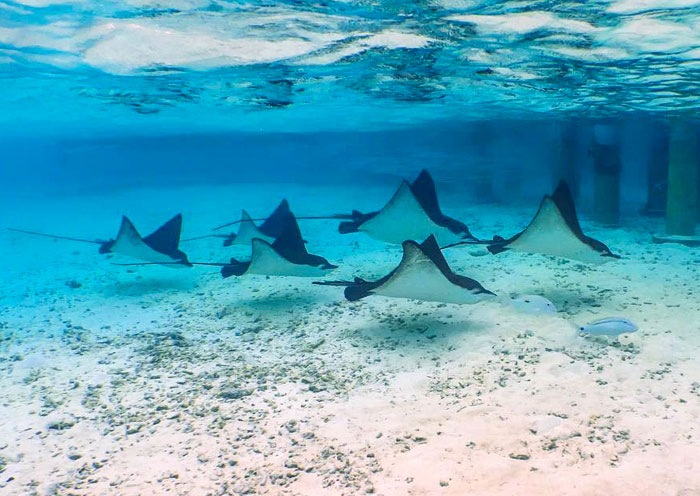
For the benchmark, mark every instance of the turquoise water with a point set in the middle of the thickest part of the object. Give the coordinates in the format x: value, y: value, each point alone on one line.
x: 141, y: 379
x: 144, y: 67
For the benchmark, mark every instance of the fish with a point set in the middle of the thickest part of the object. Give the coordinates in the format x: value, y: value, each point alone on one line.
x: 609, y: 326
x: 534, y: 305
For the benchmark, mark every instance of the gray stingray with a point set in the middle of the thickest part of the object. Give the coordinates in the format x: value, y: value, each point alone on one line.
x: 269, y: 230
x: 555, y: 231
x: 160, y: 247
x: 285, y: 256
x: 412, y: 213
x: 423, y: 274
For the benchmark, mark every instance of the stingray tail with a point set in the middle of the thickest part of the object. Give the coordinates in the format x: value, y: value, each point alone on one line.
x: 474, y: 241
x: 333, y: 283
x: 204, y: 236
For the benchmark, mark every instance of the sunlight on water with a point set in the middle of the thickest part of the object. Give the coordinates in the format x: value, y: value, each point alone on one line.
x: 149, y: 64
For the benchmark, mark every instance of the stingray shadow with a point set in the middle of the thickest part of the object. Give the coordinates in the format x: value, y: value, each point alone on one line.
x: 280, y: 301
x: 150, y: 285
x: 432, y: 328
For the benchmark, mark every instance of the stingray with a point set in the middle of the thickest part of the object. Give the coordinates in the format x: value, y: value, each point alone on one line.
x: 423, y: 274
x: 555, y: 231
x: 285, y: 256
x: 159, y: 247
x: 269, y: 230
x: 412, y: 213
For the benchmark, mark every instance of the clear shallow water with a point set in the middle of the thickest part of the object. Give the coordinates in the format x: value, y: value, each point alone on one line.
x: 148, y: 66
x: 120, y: 380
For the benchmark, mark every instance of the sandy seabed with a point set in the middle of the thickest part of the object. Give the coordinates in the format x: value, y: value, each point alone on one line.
x: 150, y: 380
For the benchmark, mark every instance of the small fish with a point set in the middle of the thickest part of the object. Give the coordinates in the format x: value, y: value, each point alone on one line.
x: 534, y: 305
x: 609, y: 326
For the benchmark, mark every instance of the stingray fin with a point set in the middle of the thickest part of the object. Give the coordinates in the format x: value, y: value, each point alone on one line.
x: 166, y: 238
x: 357, y: 219
x: 234, y: 268
x: 424, y: 189
x: 348, y: 227
x: 357, y: 291
x: 495, y: 249
x: 564, y: 201
x: 276, y: 222
x: 432, y: 250
x: 126, y: 230
x: 106, y: 247
x: 289, y: 243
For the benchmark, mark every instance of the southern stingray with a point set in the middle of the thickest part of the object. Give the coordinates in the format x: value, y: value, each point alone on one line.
x: 423, y: 274
x: 412, y: 213
x: 160, y: 247
x: 555, y: 231
x: 285, y: 256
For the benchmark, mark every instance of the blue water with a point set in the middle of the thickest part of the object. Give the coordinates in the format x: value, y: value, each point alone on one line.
x: 131, y: 380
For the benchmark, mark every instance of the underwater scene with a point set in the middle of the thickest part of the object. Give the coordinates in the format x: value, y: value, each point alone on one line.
x: 343, y: 247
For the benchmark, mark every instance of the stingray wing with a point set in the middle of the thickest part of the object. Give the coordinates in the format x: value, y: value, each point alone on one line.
x: 234, y: 268
x: 422, y: 274
x: 247, y: 231
x: 130, y: 243
x: 555, y: 231
x: 402, y: 218
x: 430, y: 249
x: 275, y: 224
x: 159, y: 247
x: 166, y: 238
x: 424, y: 190
x: 565, y: 202
x: 289, y: 243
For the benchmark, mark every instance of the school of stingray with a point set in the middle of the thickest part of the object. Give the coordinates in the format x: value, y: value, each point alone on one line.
x: 411, y: 218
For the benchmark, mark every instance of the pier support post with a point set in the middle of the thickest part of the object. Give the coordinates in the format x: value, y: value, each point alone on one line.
x: 682, y: 200
x: 607, y: 168
x: 657, y: 173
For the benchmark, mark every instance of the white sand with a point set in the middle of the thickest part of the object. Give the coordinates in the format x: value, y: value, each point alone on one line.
x: 151, y: 381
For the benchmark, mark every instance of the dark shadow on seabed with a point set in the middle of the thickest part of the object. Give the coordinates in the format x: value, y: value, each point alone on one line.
x: 426, y: 322
x: 150, y: 284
